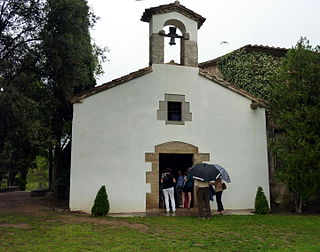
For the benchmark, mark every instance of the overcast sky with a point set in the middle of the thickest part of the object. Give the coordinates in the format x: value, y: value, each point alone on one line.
x: 278, y: 23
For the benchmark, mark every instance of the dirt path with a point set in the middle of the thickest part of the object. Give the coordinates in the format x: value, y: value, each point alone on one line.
x: 22, y: 202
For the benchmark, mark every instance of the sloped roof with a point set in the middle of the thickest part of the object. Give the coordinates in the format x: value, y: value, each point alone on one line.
x: 222, y: 82
x: 176, y: 6
x: 275, y: 51
x: 79, y: 97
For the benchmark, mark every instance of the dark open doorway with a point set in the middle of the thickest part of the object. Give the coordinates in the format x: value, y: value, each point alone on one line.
x: 175, y: 162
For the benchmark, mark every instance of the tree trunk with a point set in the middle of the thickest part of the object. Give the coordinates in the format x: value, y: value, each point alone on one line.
x: 56, y: 168
x: 10, y: 177
x: 50, y: 159
x: 298, y: 204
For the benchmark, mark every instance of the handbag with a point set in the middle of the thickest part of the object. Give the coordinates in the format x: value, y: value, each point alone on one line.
x: 224, y: 186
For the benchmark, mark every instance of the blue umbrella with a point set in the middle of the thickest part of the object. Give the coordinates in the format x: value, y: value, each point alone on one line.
x: 204, y: 172
x: 224, y: 174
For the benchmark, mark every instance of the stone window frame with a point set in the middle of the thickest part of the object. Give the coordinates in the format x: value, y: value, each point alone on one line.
x: 152, y: 177
x: 162, y: 112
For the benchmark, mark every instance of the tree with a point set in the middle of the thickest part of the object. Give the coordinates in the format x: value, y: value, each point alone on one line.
x: 20, y: 24
x: 261, y: 204
x: 46, y: 55
x: 20, y: 128
x: 101, y: 203
x: 70, y: 63
x: 295, y: 104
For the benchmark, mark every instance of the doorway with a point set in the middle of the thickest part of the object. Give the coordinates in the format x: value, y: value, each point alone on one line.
x: 152, y: 177
x: 176, y: 162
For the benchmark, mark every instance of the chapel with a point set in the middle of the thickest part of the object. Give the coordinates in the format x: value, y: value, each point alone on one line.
x: 126, y: 132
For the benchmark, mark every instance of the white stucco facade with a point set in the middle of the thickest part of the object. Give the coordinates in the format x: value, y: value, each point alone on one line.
x: 113, y: 129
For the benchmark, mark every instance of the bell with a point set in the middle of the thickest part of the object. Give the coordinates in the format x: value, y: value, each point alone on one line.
x: 173, y: 35
x: 172, y: 31
x: 172, y: 41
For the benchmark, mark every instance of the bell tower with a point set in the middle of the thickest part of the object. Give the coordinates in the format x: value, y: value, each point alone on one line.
x: 176, y: 16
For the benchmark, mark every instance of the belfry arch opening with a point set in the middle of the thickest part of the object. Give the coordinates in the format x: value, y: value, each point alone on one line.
x: 173, y: 52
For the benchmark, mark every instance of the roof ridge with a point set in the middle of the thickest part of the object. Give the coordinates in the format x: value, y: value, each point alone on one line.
x: 146, y: 16
x: 115, y: 82
x: 248, y: 47
x: 226, y: 84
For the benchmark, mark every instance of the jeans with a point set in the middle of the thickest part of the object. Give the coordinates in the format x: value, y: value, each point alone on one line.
x: 169, y: 192
x: 219, y: 202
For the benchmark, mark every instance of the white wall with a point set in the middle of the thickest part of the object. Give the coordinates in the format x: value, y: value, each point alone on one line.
x: 113, y: 130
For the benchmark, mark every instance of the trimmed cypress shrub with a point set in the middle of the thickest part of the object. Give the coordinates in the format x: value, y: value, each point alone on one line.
x: 101, y: 203
x: 261, y: 204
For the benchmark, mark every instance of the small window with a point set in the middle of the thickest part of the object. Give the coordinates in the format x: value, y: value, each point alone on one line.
x: 174, y: 111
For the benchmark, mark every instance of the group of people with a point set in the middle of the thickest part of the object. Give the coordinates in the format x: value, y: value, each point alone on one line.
x: 184, y: 186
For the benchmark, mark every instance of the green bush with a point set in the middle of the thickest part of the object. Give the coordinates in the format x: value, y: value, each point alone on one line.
x: 101, y: 203
x: 37, y: 178
x: 261, y: 204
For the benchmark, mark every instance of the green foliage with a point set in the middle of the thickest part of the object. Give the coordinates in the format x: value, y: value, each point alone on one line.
x: 251, y: 71
x: 295, y: 108
x: 69, y: 66
x: 67, y: 47
x: 21, y: 22
x: 260, y: 203
x: 101, y: 203
x: 46, y: 55
x: 37, y: 178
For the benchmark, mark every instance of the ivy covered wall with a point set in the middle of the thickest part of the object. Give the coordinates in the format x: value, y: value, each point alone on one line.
x: 250, y: 70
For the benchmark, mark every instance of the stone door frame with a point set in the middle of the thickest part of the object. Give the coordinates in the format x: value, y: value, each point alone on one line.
x: 152, y: 177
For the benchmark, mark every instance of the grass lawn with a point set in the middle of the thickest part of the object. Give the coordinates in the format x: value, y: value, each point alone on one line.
x: 59, y: 232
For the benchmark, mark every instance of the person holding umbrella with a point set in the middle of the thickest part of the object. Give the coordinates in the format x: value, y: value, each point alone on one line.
x: 218, y: 186
x: 202, y: 191
x: 204, y: 174
x: 219, y: 189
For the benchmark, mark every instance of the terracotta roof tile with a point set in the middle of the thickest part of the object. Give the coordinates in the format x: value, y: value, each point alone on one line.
x: 258, y: 101
x: 176, y: 6
x: 79, y: 97
x: 276, y: 51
